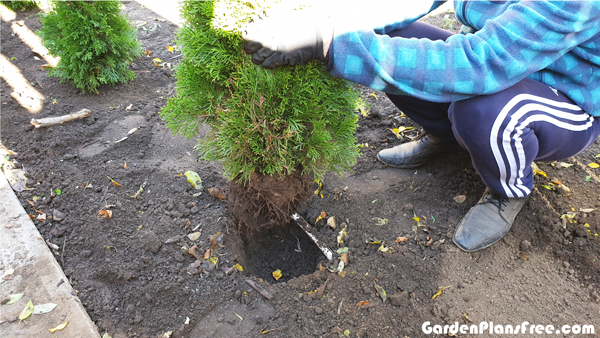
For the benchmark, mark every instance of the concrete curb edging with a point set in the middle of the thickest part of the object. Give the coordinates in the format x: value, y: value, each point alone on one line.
x: 37, y: 275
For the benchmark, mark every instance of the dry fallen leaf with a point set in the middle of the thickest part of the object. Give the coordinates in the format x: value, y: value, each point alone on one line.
x: 277, y: 274
x: 192, y: 251
x: 523, y: 255
x: 440, y: 289
x: 207, y: 254
x: 380, y: 221
x: 238, y: 267
x: 216, y: 238
x: 331, y: 222
x: 561, y: 164
x: 194, y: 179
x: 129, y: 106
x: 194, y: 236
x: 537, y: 171
x: 43, y: 308
x: 12, y: 299
x: 341, y: 235
x: 60, y: 327
x: 170, y: 49
x: 381, y: 292
x: 460, y: 198
x: 323, y: 215
x: 344, y: 258
x: 594, y: 165
x: 27, y: 311
x: 114, y: 182
x: 364, y: 302
x: 401, y: 239
x: 105, y: 213
x: 216, y: 193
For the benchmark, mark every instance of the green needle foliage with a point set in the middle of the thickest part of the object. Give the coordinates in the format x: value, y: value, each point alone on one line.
x: 273, y: 122
x: 18, y: 5
x: 94, y: 42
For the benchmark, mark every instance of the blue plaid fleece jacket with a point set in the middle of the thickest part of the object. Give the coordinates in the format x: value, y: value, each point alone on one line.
x: 553, y: 42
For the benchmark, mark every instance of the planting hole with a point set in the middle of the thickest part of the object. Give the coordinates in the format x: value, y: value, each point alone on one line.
x: 277, y: 249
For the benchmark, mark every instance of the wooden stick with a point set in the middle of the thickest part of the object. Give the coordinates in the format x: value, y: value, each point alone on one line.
x: 302, y: 223
x: 260, y: 290
x: 51, y: 121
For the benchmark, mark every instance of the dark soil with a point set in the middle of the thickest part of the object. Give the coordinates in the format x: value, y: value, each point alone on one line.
x: 130, y: 271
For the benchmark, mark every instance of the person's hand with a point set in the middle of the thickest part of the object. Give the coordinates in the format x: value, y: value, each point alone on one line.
x: 289, y: 37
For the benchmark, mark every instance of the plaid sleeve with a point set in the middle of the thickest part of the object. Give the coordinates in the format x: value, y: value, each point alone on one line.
x: 526, y: 38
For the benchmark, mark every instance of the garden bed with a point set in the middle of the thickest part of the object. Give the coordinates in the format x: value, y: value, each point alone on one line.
x: 132, y: 274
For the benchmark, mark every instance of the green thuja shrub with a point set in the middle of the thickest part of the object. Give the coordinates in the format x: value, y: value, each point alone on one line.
x: 18, y: 5
x: 272, y: 122
x: 94, y: 42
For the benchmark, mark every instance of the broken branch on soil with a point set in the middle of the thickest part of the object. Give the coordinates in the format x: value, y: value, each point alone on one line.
x: 260, y: 290
x: 302, y: 223
x: 51, y: 121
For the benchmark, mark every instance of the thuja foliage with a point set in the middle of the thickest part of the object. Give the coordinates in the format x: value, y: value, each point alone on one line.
x: 94, y: 42
x: 273, y: 122
x: 18, y: 5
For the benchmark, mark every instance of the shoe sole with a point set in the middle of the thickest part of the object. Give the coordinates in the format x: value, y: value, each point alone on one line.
x: 458, y: 154
x: 402, y: 166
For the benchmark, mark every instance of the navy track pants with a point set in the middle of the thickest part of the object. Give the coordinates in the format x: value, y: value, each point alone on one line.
x: 504, y: 132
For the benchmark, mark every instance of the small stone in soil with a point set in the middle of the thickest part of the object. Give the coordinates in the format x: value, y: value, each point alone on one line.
x: 57, y: 215
x: 525, y: 245
x: 150, y: 241
x: 318, y: 310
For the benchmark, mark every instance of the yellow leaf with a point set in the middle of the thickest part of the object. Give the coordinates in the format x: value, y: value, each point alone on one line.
x: 341, y: 234
x: 537, y: 171
x: 60, y: 327
x: 27, y: 311
x: 239, y: 267
x: 277, y: 274
x: 157, y: 60
x: 594, y: 165
x: 374, y: 96
x: 170, y: 49
x: 318, y: 191
x: 214, y: 260
x: 561, y: 164
x: 416, y: 218
x: 114, y: 182
x: 440, y: 289
x: 194, y: 179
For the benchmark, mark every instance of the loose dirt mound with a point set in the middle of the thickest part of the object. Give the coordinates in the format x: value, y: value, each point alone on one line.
x: 266, y: 201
